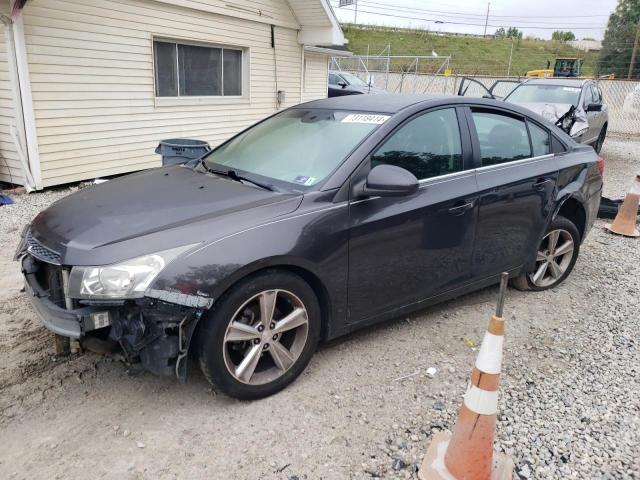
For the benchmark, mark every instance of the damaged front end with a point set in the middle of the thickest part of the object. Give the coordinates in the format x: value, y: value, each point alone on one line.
x: 574, y: 122
x: 152, y: 332
x: 571, y: 119
x: 155, y: 335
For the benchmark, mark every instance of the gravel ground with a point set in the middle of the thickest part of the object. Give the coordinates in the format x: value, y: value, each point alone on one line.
x: 365, y: 407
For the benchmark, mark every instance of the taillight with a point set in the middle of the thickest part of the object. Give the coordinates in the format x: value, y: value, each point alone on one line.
x: 601, y: 165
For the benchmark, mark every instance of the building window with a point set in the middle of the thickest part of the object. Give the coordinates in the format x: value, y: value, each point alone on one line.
x: 185, y: 70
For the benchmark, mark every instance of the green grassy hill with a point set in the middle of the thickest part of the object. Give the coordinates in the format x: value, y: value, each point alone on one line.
x: 469, y: 55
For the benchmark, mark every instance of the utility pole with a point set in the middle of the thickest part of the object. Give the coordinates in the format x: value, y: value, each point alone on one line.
x: 486, y: 21
x: 632, y: 64
x: 510, y: 57
x: 355, y: 16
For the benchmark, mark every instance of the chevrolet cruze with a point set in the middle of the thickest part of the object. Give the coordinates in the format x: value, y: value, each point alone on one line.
x: 324, y: 218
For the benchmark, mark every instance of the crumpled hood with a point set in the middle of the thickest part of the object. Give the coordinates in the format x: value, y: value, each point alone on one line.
x: 555, y: 111
x: 151, y: 211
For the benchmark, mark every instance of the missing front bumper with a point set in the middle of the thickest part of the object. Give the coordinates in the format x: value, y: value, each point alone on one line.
x: 153, y: 334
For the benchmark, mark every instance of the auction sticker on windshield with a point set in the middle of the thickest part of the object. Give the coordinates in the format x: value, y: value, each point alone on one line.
x: 365, y: 118
x: 304, y: 180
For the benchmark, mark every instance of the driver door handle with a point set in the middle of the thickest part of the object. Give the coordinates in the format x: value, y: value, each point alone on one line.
x: 461, y: 209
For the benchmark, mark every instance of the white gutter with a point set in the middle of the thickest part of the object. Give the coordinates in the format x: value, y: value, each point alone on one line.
x: 302, y: 74
x: 328, y: 51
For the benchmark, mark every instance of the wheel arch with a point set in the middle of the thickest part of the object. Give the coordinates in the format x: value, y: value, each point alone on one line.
x: 573, y: 210
x: 307, y: 273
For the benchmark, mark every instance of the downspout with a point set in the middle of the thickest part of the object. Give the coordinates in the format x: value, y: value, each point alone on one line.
x: 24, y: 132
x: 302, y: 73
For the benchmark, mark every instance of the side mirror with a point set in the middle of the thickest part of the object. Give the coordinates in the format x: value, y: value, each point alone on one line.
x: 594, y: 107
x: 389, y: 181
x: 342, y: 84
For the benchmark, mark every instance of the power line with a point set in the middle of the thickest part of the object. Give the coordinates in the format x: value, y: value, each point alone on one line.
x: 536, y: 24
x: 464, y: 14
x: 406, y: 17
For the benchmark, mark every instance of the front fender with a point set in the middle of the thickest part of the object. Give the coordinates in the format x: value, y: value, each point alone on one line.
x: 314, y: 239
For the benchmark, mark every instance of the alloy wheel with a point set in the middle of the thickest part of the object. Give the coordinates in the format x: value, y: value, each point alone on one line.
x: 553, y: 258
x: 265, y: 337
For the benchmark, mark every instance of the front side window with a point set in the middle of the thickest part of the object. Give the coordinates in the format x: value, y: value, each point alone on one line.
x: 183, y: 70
x: 298, y: 146
x: 595, y: 93
x: 502, y: 138
x: 588, y: 96
x: 427, y: 146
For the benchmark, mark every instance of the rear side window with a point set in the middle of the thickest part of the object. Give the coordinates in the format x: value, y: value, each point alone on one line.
x: 557, y: 146
x: 427, y: 146
x: 502, y: 138
x: 539, y: 140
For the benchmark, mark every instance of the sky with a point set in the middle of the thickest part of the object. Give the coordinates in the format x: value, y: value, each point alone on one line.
x: 539, y: 18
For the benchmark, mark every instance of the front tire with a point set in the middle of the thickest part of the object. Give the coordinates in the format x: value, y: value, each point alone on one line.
x: 598, y: 145
x: 260, y: 335
x: 555, y: 257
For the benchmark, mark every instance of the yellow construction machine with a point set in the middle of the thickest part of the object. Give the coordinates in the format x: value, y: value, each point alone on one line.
x: 564, y: 67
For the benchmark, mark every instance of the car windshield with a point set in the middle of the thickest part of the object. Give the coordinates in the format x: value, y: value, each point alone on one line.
x: 298, y: 146
x: 353, y: 80
x: 545, y: 94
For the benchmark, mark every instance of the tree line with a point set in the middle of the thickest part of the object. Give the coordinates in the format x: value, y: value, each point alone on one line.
x: 617, y: 54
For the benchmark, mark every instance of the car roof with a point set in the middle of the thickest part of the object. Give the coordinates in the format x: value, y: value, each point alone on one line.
x: 562, y: 82
x: 393, y: 103
x: 381, y: 103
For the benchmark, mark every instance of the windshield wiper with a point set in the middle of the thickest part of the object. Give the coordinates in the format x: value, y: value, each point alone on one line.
x: 233, y: 175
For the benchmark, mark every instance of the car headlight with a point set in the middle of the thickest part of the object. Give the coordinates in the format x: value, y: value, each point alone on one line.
x: 127, y: 279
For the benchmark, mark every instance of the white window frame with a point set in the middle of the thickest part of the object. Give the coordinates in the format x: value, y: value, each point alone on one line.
x: 244, y: 97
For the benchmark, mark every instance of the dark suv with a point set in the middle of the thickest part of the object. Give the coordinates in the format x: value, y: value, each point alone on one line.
x: 345, y: 83
x: 324, y: 218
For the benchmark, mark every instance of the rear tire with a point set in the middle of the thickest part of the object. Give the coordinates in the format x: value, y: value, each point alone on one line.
x: 260, y: 335
x: 555, y: 258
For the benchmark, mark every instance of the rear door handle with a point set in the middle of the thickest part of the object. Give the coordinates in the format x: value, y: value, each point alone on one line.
x: 541, y: 184
x: 461, y: 209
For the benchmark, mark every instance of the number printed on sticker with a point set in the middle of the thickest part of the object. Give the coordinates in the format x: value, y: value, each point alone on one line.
x: 365, y: 118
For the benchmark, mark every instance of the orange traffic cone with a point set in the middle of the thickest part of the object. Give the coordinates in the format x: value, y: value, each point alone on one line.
x: 625, y: 221
x: 467, y: 454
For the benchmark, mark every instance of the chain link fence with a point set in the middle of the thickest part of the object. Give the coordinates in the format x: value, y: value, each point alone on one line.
x: 622, y: 97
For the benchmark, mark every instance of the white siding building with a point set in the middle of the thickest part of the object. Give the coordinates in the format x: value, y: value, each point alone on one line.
x: 88, y: 88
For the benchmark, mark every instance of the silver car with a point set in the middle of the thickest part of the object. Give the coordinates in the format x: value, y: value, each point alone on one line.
x: 576, y: 105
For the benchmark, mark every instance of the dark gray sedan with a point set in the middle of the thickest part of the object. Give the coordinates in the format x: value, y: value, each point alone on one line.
x: 322, y: 219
